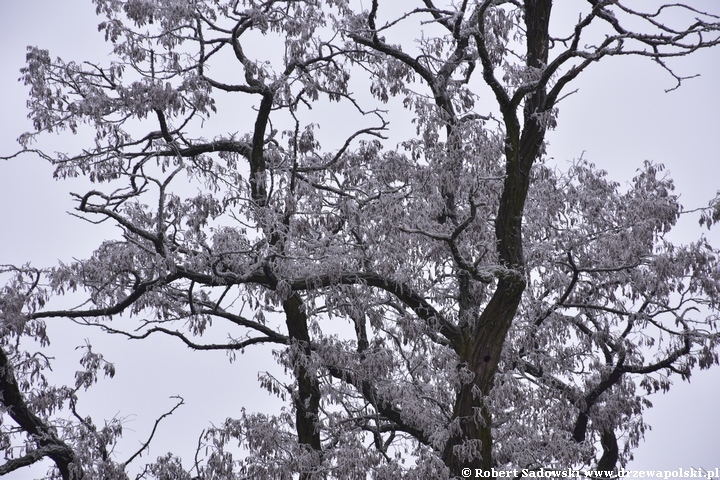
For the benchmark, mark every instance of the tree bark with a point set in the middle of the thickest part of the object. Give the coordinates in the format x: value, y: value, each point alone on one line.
x: 307, y: 400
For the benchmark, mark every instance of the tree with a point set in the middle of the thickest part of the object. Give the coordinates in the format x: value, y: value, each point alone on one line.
x: 494, y: 311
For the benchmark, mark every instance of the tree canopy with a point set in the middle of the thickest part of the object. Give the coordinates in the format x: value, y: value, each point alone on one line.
x: 440, y: 297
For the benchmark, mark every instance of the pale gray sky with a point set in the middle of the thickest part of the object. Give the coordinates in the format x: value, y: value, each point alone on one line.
x: 620, y: 117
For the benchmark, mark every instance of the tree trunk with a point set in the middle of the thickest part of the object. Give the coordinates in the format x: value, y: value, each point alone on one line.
x: 483, y: 345
x: 307, y: 400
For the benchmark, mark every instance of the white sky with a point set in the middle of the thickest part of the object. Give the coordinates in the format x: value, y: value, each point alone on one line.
x: 620, y: 117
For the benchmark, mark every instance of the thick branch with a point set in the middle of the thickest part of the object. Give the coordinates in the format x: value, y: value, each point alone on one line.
x: 43, y: 434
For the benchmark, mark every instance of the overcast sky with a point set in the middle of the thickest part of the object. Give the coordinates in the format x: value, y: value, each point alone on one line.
x: 619, y: 117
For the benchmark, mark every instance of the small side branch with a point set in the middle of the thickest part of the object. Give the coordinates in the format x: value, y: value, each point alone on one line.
x: 180, y: 401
